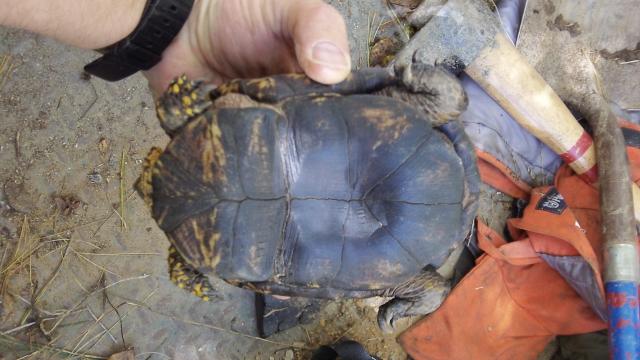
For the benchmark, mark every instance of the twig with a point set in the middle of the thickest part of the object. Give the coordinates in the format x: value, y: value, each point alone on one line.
x: 152, y: 353
x: 75, y: 227
x: 101, y: 325
x: 18, y: 328
x: 119, y: 254
x: 75, y: 278
x: 53, y: 276
x: 522, y: 21
x: 106, y: 296
x: 41, y: 347
x: 629, y: 62
x: 66, y: 313
x: 123, y: 222
x: 90, y: 328
x: 99, y: 336
x: 395, y: 18
x: 16, y: 144
x: 91, y: 104
x: 93, y: 263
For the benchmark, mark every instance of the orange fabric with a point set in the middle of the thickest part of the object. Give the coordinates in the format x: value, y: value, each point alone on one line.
x: 501, y: 310
x: 499, y: 176
x: 512, y: 303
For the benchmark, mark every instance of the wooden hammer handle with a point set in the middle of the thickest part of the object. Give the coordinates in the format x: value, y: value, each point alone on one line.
x: 511, y: 81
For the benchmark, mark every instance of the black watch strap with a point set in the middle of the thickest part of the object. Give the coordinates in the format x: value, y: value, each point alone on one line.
x: 142, y: 49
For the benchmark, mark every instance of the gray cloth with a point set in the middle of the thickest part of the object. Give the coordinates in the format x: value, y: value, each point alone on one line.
x: 492, y: 130
x: 578, y: 273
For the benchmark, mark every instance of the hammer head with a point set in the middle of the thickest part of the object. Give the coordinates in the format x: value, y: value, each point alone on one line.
x: 454, y: 36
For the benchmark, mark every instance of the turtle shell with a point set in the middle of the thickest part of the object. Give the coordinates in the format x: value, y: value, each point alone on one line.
x: 319, y: 194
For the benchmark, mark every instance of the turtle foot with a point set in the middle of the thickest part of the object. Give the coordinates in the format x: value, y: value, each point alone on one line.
x: 188, y: 278
x: 275, y: 315
x: 420, y: 296
x: 183, y: 100
x: 434, y: 90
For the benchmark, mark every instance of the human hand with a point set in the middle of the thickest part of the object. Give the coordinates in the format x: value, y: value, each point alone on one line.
x: 225, y: 39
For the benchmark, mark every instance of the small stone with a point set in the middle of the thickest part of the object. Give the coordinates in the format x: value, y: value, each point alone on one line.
x: 288, y: 355
x: 103, y: 146
x: 95, y: 178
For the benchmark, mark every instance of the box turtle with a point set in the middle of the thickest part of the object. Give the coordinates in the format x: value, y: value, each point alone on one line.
x: 285, y: 186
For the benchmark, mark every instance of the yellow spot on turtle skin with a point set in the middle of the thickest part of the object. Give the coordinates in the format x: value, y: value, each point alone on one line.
x: 194, y: 95
x: 181, y: 79
x: 197, y: 290
x: 181, y: 285
x: 230, y: 87
x: 205, y: 298
x: 186, y: 101
x: 189, y: 111
x: 175, y: 88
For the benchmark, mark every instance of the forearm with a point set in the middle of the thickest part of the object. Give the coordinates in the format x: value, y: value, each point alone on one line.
x: 89, y: 24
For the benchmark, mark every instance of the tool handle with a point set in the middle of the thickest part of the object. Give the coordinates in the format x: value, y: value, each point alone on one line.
x: 513, y: 83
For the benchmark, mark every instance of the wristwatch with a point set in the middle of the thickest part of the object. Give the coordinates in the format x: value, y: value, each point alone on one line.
x: 142, y: 49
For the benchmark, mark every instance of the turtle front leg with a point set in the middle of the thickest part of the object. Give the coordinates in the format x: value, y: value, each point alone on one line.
x: 419, y: 296
x: 188, y: 278
x: 183, y: 100
x: 432, y: 89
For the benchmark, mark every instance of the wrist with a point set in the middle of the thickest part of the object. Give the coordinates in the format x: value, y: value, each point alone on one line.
x: 82, y: 23
x: 184, y: 55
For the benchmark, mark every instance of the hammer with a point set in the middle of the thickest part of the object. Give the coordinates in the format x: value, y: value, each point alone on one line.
x: 465, y: 35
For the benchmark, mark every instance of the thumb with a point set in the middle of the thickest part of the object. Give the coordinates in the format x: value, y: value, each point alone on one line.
x: 320, y: 38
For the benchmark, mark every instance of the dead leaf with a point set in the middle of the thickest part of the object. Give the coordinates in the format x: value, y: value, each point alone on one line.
x: 125, y: 355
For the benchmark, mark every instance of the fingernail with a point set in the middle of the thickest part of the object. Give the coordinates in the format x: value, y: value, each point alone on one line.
x: 328, y: 54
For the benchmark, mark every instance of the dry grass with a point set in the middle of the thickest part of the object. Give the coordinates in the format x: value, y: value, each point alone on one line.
x: 6, y: 65
x: 401, y: 24
x: 26, y: 246
x: 11, y: 344
x: 372, y: 33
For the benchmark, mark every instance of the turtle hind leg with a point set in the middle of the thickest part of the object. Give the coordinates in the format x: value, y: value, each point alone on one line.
x: 188, y: 278
x: 183, y: 100
x: 419, y: 296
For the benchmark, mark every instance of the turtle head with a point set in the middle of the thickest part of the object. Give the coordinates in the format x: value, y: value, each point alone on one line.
x: 182, y: 101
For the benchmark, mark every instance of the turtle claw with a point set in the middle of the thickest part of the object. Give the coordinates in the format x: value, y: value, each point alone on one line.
x: 439, y: 93
x: 390, y: 312
x: 419, y: 296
